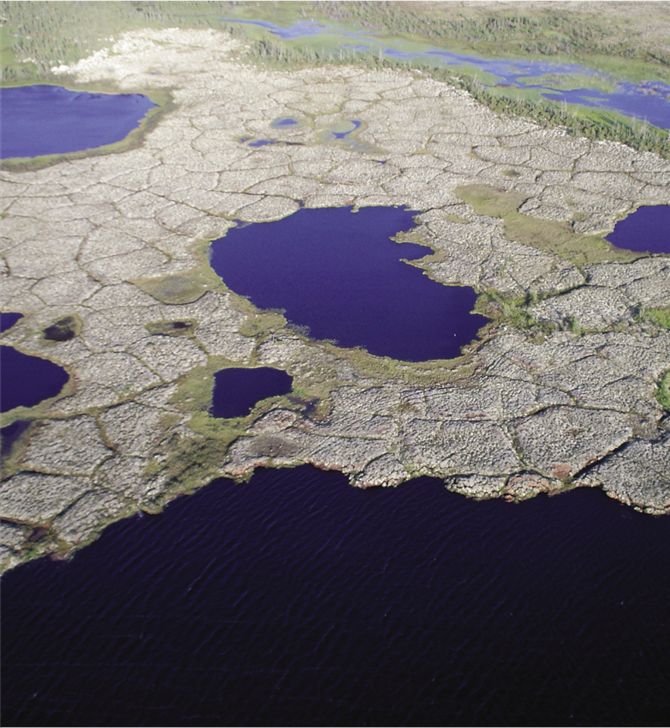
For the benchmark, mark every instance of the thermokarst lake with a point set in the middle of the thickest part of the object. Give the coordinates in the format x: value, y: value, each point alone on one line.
x: 435, y: 489
x: 338, y: 273
x: 39, y: 120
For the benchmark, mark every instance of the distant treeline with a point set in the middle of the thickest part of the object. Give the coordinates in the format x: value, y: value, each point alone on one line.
x: 39, y: 35
x: 608, y: 125
x: 542, y: 30
x: 594, y: 125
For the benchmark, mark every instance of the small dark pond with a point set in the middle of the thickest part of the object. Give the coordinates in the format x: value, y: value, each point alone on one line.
x: 645, y: 230
x: 10, y: 434
x: 236, y: 391
x: 8, y: 319
x: 298, y: 600
x: 27, y: 380
x: 44, y: 119
x: 339, y: 274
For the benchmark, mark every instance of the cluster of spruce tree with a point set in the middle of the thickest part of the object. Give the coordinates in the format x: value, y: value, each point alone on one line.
x: 543, y: 31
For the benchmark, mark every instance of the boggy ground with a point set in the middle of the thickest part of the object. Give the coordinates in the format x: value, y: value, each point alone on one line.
x: 561, y: 391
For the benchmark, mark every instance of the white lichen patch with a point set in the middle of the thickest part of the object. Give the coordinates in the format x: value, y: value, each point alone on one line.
x: 564, y: 393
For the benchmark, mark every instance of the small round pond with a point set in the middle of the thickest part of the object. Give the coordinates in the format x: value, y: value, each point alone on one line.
x: 27, y: 380
x: 39, y: 120
x: 338, y: 273
x: 647, y: 230
x: 236, y: 391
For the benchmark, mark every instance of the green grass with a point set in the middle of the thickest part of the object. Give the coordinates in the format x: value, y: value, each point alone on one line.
x: 660, y: 316
x: 663, y: 392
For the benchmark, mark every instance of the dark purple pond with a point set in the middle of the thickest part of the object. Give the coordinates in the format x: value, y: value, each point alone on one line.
x: 236, y: 391
x: 298, y: 600
x: 10, y: 434
x: 42, y: 119
x: 339, y: 274
x: 646, y: 230
x: 8, y: 319
x: 27, y: 380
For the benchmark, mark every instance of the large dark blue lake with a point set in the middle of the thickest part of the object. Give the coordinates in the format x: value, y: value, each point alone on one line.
x: 298, y: 600
x: 646, y: 230
x: 43, y: 119
x: 338, y: 273
x: 27, y: 380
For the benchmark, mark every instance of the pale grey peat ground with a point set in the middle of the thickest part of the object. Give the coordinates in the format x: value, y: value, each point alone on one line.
x: 526, y: 410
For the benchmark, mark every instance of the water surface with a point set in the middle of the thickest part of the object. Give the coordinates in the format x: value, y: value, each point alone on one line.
x: 27, y: 380
x: 298, y: 600
x: 645, y: 230
x: 338, y: 273
x: 8, y: 319
x: 648, y: 100
x: 283, y: 122
x: 237, y: 391
x: 10, y: 434
x: 42, y: 119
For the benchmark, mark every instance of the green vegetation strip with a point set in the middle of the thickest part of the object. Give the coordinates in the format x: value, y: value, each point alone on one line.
x: 550, y: 236
x: 663, y: 393
x: 660, y: 316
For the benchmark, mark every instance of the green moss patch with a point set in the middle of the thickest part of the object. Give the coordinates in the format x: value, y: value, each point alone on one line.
x: 551, y: 236
x: 176, y: 288
x: 663, y: 392
x: 172, y: 328
x: 660, y: 316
